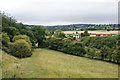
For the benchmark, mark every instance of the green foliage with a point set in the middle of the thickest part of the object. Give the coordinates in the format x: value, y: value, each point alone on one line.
x: 99, y: 42
x: 59, y: 34
x: 85, y: 33
x: 91, y: 53
x: 12, y: 28
x: 75, y: 48
x: 11, y: 31
x: 67, y: 46
x: 24, y: 37
x: 5, y: 38
x: 104, y: 52
x: 104, y: 48
x: 69, y: 38
x: 116, y: 53
x: 21, y: 49
x: 54, y: 43
x: 29, y: 33
x: 39, y: 34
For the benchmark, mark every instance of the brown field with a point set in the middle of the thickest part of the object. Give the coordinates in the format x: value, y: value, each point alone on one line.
x: 93, y: 32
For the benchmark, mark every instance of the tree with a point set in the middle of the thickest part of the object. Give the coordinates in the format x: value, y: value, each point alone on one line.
x: 39, y: 34
x: 59, y: 34
x: 108, y: 29
x: 91, y: 53
x: 116, y: 54
x: 104, y: 52
x: 69, y: 38
x: 81, y: 29
x: 86, y: 33
x: 76, y: 32
x: 11, y: 31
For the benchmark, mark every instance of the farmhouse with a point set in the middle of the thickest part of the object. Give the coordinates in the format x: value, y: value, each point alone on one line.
x: 76, y: 35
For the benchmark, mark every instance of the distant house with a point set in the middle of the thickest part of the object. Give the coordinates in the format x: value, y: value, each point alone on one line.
x: 76, y: 35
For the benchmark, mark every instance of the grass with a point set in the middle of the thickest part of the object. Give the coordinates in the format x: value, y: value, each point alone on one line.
x: 45, y: 63
x: 0, y: 64
x: 93, y: 32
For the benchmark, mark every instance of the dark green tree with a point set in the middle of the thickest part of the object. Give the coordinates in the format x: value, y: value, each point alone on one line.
x: 116, y: 55
x: 11, y: 31
x: 39, y: 34
x: 86, y: 33
x: 104, y: 52
x: 59, y: 34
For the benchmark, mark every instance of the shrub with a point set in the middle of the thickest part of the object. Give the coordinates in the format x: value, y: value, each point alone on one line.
x: 6, y: 49
x: 91, y: 53
x: 55, y: 43
x: 21, y: 49
x: 24, y: 37
x: 67, y: 46
x: 5, y: 39
x: 75, y: 48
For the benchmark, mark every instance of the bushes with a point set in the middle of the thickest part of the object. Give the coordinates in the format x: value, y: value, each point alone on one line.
x: 104, y: 48
x: 21, y: 46
x: 5, y: 42
x: 21, y: 49
x: 24, y: 37
x: 55, y: 43
x: 69, y: 47
x: 99, y: 42
x: 5, y: 39
x: 75, y: 48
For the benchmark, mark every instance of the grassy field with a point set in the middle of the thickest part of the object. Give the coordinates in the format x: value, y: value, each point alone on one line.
x: 93, y: 32
x: 46, y: 63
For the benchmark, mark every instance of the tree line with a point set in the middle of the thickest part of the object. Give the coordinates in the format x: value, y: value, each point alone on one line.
x: 102, y: 48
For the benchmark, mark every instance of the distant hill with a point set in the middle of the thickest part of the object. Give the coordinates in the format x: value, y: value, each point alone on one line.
x: 29, y: 25
x: 73, y: 27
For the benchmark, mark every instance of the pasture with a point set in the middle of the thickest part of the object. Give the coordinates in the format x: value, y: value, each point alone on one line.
x: 45, y: 63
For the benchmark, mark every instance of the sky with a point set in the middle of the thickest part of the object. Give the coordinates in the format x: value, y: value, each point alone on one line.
x: 62, y: 12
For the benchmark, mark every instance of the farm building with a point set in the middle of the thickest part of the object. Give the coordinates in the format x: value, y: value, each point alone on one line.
x: 77, y: 35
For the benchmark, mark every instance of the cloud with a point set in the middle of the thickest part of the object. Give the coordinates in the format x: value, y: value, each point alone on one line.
x: 52, y: 12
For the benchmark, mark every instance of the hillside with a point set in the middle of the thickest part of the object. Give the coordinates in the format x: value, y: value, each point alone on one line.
x: 79, y: 27
x: 45, y: 63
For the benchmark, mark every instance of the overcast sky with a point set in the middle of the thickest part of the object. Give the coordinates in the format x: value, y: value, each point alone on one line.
x: 60, y: 12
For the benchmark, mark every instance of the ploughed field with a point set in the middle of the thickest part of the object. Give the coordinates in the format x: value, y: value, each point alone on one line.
x: 45, y: 63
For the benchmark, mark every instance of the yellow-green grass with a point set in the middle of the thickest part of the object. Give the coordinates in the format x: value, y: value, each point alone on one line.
x: 45, y: 63
x: 93, y: 32
x: 0, y: 65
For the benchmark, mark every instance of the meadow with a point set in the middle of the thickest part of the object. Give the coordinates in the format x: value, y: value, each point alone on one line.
x: 93, y: 32
x: 45, y: 63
